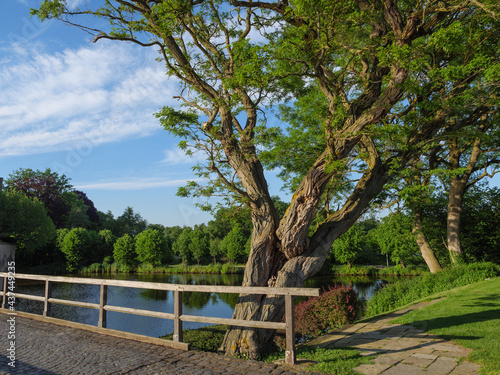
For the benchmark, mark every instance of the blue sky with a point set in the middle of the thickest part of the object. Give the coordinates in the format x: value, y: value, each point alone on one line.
x: 85, y: 110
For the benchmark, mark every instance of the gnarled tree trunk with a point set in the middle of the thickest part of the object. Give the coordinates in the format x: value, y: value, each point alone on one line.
x: 270, y: 264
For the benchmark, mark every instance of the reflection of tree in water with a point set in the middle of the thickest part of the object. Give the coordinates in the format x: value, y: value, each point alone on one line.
x: 365, y: 286
x: 229, y: 298
x: 154, y: 294
x: 196, y: 300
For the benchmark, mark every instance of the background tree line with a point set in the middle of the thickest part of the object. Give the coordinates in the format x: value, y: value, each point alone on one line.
x: 34, y: 201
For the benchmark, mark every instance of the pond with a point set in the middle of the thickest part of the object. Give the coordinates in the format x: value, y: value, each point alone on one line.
x: 203, y: 304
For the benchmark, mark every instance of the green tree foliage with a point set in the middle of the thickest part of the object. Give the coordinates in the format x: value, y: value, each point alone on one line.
x: 233, y: 245
x: 124, y: 252
x: 394, y: 237
x: 151, y: 247
x: 47, y: 187
x: 130, y: 222
x: 24, y: 221
x: 107, y: 241
x: 215, y: 249
x: 199, y: 246
x: 181, y: 246
x: 348, y: 246
x: 77, y: 246
x: 77, y: 214
x: 481, y: 225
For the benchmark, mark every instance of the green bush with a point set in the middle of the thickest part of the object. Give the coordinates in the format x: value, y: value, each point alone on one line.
x: 406, y: 291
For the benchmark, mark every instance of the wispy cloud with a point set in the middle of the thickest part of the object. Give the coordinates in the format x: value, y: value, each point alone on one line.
x: 104, y: 93
x: 133, y: 184
x: 178, y: 156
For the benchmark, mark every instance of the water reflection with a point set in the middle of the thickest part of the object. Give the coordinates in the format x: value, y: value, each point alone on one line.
x: 194, y: 303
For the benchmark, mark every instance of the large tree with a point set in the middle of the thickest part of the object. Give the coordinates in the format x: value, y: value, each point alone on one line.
x: 359, y: 54
x: 46, y: 186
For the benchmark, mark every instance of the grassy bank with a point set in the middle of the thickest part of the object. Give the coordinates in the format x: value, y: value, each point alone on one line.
x: 470, y: 316
x: 357, y: 270
x: 407, y: 291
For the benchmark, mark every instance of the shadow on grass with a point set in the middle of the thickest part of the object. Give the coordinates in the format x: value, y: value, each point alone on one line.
x: 456, y: 320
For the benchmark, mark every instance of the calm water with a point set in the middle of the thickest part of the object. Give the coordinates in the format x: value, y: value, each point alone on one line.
x: 203, y: 304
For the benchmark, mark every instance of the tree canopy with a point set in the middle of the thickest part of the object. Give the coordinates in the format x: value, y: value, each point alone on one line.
x: 357, y: 65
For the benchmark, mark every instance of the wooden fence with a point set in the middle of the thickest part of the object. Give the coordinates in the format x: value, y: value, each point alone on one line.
x: 177, y: 316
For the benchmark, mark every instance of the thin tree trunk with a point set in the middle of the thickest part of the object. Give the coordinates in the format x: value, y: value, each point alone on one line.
x: 424, y: 246
x: 456, y: 193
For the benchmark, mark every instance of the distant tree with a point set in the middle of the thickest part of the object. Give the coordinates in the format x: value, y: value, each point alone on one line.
x: 47, y: 187
x: 91, y: 212
x: 173, y: 232
x: 394, y: 237
x: 181, y: 246
x: 60, y: 234
x: 157, y: 227
x: 77, y: 214
x: 25, y: 222
x: 107, y: 241
x: 348, y: 246
x: 233, y: 245
x: 199, y: 244
x: 151, y: 247
x: 76, y: 246
x: 124, y: 252
x: 481, y: 224
x: 108, y: 221
x: 215, y: 249
x: 131, y: 222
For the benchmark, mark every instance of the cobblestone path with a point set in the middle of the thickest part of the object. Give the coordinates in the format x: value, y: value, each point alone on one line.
x: 47, y: 349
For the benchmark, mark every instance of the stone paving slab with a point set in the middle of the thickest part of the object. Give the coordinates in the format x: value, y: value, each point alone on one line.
x: 43, y: 348
x: 400, y: 349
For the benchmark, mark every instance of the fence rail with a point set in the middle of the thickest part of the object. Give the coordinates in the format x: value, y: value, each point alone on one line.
x: 177, y: 316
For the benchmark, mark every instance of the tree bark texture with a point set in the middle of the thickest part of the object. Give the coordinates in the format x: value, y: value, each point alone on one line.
x: 424, y: 246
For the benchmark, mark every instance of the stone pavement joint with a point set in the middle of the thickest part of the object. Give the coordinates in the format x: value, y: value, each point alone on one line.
x: 43, y: 348
x: 400, y: 349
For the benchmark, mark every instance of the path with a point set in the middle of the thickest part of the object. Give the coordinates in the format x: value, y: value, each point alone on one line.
x: 400, y: 349
x: 43, y: 348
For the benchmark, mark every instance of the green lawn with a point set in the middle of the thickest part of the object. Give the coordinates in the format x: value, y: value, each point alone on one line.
x: 470, y: 316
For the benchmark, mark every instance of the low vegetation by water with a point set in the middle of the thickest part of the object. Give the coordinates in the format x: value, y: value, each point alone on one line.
x: 116, y: 267
x: 406, y: 291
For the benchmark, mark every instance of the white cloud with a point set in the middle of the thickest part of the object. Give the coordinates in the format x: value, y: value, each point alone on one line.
x: 105, y: 92
x: 133, y: 184
x: 178, y: 156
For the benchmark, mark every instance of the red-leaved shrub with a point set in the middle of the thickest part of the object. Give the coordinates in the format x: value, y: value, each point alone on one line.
x: 334, y: 308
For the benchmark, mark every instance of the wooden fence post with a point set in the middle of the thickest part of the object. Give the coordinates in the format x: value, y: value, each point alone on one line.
x: 48, y: 294
x: 177, y: 315
x: 290, y: 354
x: 103, y: 301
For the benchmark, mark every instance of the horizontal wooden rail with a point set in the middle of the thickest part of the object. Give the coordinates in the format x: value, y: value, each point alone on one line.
x: 177, y: 316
